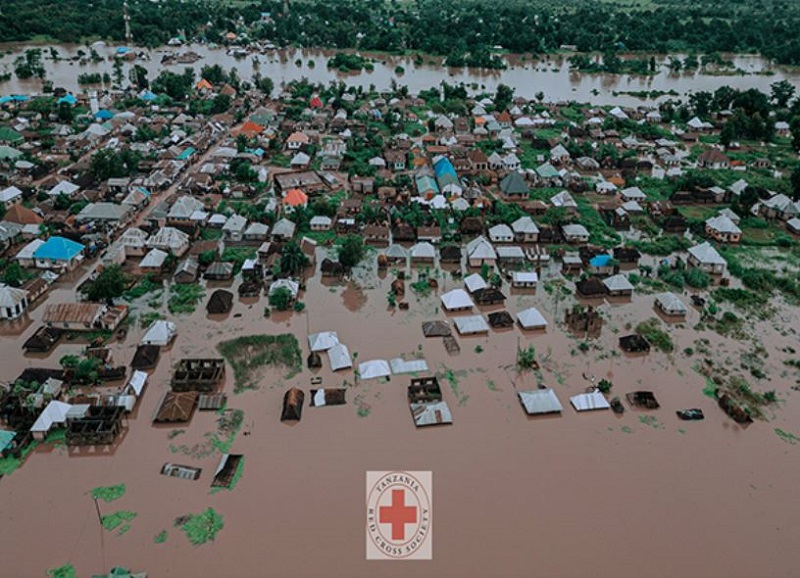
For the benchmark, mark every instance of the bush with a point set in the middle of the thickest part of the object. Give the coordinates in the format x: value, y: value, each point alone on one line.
x: 656, y: 336
x: 697, y: 278
x: 281, y: 299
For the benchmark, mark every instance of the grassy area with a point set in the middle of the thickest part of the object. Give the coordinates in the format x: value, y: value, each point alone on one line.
x: 65, y: 571
x: 121, y: 519
x: 109, y: 493
x: 700, y: 212
x: 662, y: 246
x: 184, y: 298
x: 161, y: 537
x: 10, y: 464
x: 202, y: 528
x: 142, y: 288
x: 657, y: 337
x: 238, y: 255
x: 250, y: 353
x: 210, y: 234
x: 229, y: 423
x: 600, y: 233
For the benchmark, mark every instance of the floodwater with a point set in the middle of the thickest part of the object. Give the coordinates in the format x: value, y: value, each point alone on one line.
x: 550, y: 75
x: 591, y: 494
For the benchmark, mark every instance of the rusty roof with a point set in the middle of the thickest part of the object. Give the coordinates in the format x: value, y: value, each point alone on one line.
x: 79, y: 313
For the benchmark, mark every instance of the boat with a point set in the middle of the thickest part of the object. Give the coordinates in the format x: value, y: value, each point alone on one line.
x: 616, y: 405
x: 690, y: 414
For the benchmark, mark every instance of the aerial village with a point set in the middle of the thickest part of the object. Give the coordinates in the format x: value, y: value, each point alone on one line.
x: 154, y: 249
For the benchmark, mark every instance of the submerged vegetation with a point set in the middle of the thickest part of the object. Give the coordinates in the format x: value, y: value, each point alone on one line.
x: 201, y: 528
x: 250, y: 353
x: 120, y: 520
x: 657, y: 337
x: 109, y: 493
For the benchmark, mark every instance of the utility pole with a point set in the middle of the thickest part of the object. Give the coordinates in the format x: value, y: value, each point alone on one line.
x: 126, y: 16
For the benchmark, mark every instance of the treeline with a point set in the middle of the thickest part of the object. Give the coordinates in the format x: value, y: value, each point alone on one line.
x: 465, y: 32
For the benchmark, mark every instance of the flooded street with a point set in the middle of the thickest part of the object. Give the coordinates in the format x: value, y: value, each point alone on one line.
x: 551, y: 75
x: 591, y: 494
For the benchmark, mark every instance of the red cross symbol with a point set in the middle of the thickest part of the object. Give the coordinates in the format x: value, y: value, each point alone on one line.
x: 398, y: 514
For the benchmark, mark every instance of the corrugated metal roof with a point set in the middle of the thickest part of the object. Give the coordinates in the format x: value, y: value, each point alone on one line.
x: 540, y: 401
x: 589, y: 401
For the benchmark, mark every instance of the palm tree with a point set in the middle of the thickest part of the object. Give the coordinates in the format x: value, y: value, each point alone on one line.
x: 292, y: 259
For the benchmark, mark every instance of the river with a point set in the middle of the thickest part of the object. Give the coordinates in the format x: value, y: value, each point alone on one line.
x: 550, y: 76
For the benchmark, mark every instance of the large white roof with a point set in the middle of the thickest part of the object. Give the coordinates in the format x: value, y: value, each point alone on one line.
x: 323, y: 340
x: 531, y: 318
x: 456, y: 299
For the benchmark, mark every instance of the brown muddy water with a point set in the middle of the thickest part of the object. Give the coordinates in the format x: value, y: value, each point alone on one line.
x: 550, y: 75
x: 592, y: 494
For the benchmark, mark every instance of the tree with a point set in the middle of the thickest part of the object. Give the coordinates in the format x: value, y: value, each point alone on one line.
x: 109, y: 284
x: 794, y: 128
x: 503, y: 97
x: 176, y: 86
x: 351, y: 251
x: 293, y: 260
x: 701, y: 103
x: 266, y: 85
x: 69, y: 361
x: 220, y: 104
x: 139, y: 77
x: 13, y: 275
x: 281, y: 298
x: 108, y: 163
x: 745, y: 201
x: 795, y: 181
x: 781, y: 93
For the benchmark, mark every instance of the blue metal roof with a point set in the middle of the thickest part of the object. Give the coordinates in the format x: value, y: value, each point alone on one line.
x: 600, y: 260
x: 58, y: 249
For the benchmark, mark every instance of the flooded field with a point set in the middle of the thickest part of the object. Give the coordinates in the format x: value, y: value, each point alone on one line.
x: 593, y: 494
x: 550, y: 75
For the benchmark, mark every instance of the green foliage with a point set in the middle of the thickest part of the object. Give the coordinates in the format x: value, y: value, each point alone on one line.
x: 347, y: 62
x: 741, y: 298
x: 142, y: 288
x: 281, y: 298
x: 663, y: 246
x: 161, y: 537
x: 351, y: 251
x: 65, y: 571
x: 203, y: 527
x: 604, y: 385
x: 247, y: 354
x: 185, y: 298
x: 109, y: 284
x: 657, y: 337
x: 121, y: 519
x: 293, y: 260
x: 298, y: 306
x: 10, y: 464
x: 176, y: 86
x: 108, y: 163
x: 526, y: 358
x: 109, y: 493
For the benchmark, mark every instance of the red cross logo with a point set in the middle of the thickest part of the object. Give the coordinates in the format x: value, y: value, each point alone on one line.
x: 398, y: 515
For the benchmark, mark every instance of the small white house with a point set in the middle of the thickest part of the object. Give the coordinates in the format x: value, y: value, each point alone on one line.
x: 320, y: 223
x: 524, y: 279
x: 13, y: 302
x: 501, y: 234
